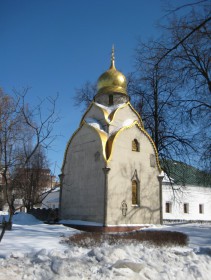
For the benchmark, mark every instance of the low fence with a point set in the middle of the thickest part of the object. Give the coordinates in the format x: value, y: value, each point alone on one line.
x: 180, y: 221
x: 45, y: 215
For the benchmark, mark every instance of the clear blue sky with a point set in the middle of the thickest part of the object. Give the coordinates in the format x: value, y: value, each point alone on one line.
x: 55, y: 46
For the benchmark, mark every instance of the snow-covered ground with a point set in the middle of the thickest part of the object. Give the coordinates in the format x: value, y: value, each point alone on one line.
x: 32, y: 250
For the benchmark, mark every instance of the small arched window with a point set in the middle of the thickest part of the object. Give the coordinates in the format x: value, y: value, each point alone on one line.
x: 134, y: 192
x: 135, y: 145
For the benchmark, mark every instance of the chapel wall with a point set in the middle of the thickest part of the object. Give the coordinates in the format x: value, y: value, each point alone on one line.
x: 123, y: 116
x: 97, y: 114
x: 125, y: 165
x: 83, y: 178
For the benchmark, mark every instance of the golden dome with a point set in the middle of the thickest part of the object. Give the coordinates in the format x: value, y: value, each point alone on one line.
x: 112, y: 80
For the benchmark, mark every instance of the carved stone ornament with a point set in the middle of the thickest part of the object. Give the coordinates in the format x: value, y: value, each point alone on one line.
x: 124, y: 208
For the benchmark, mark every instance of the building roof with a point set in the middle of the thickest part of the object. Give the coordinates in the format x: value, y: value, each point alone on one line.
x: 184, y: 174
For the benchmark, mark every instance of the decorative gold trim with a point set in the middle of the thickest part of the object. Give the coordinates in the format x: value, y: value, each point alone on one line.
x: 112, y: 89
x: 88, y: 109
x: 139, y: 117
x: 112, y: 114
x: 109, y: 118
x: 103, y: 138
x: 112, y: 139
x: 105, y: 113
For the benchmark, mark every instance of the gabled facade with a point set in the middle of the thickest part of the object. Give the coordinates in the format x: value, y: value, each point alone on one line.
x: 111, y: 173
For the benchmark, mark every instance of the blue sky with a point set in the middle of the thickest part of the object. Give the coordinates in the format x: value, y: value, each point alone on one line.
x: 55, y: 46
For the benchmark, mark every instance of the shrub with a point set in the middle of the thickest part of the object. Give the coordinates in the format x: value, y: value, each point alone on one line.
x: 158, y: 238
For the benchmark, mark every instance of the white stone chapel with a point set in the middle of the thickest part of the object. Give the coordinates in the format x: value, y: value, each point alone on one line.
x: 111, y: 172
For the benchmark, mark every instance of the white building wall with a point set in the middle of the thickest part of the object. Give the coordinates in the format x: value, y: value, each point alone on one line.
x: 51, y: 200
x: 193, y: 196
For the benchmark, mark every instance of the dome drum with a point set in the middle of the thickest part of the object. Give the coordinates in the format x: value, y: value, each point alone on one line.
x: 111, y: 98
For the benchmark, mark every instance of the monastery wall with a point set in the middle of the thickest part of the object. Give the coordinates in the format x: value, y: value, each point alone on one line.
x: 192, y: 196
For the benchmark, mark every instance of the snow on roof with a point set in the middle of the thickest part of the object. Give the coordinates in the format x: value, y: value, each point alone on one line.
x: 53, y: 200
x: 56, y: 189
x: 95, y: 123
x: 124, y: 124
x: 167, y: 179
x: 109, y: 109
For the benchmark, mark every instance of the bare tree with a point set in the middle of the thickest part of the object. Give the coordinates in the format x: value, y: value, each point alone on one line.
x: 155, y: 92
x: 29, y: 182
x: 203, y: 19
x: 84, y: 96
x: 23, y: 131
x: 184, y: 55
x: 192, y: 58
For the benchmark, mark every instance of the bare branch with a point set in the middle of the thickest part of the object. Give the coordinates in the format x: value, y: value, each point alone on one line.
x: 184, y: 38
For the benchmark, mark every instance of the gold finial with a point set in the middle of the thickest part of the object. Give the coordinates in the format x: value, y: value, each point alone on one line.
x: 112, y: 58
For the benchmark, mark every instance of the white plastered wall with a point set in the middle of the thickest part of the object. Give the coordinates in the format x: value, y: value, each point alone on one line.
x: 193, y: 196
x: 123, y: 116
x: 123, y: 165
x: 83, y: 182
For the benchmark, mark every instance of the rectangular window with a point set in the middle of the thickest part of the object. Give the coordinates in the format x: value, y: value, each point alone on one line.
x: 186, y: 208
x: 168, y: 207
x: 201, y: 208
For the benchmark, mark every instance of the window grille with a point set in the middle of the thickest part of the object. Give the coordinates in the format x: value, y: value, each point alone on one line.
x: 134, y: 193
